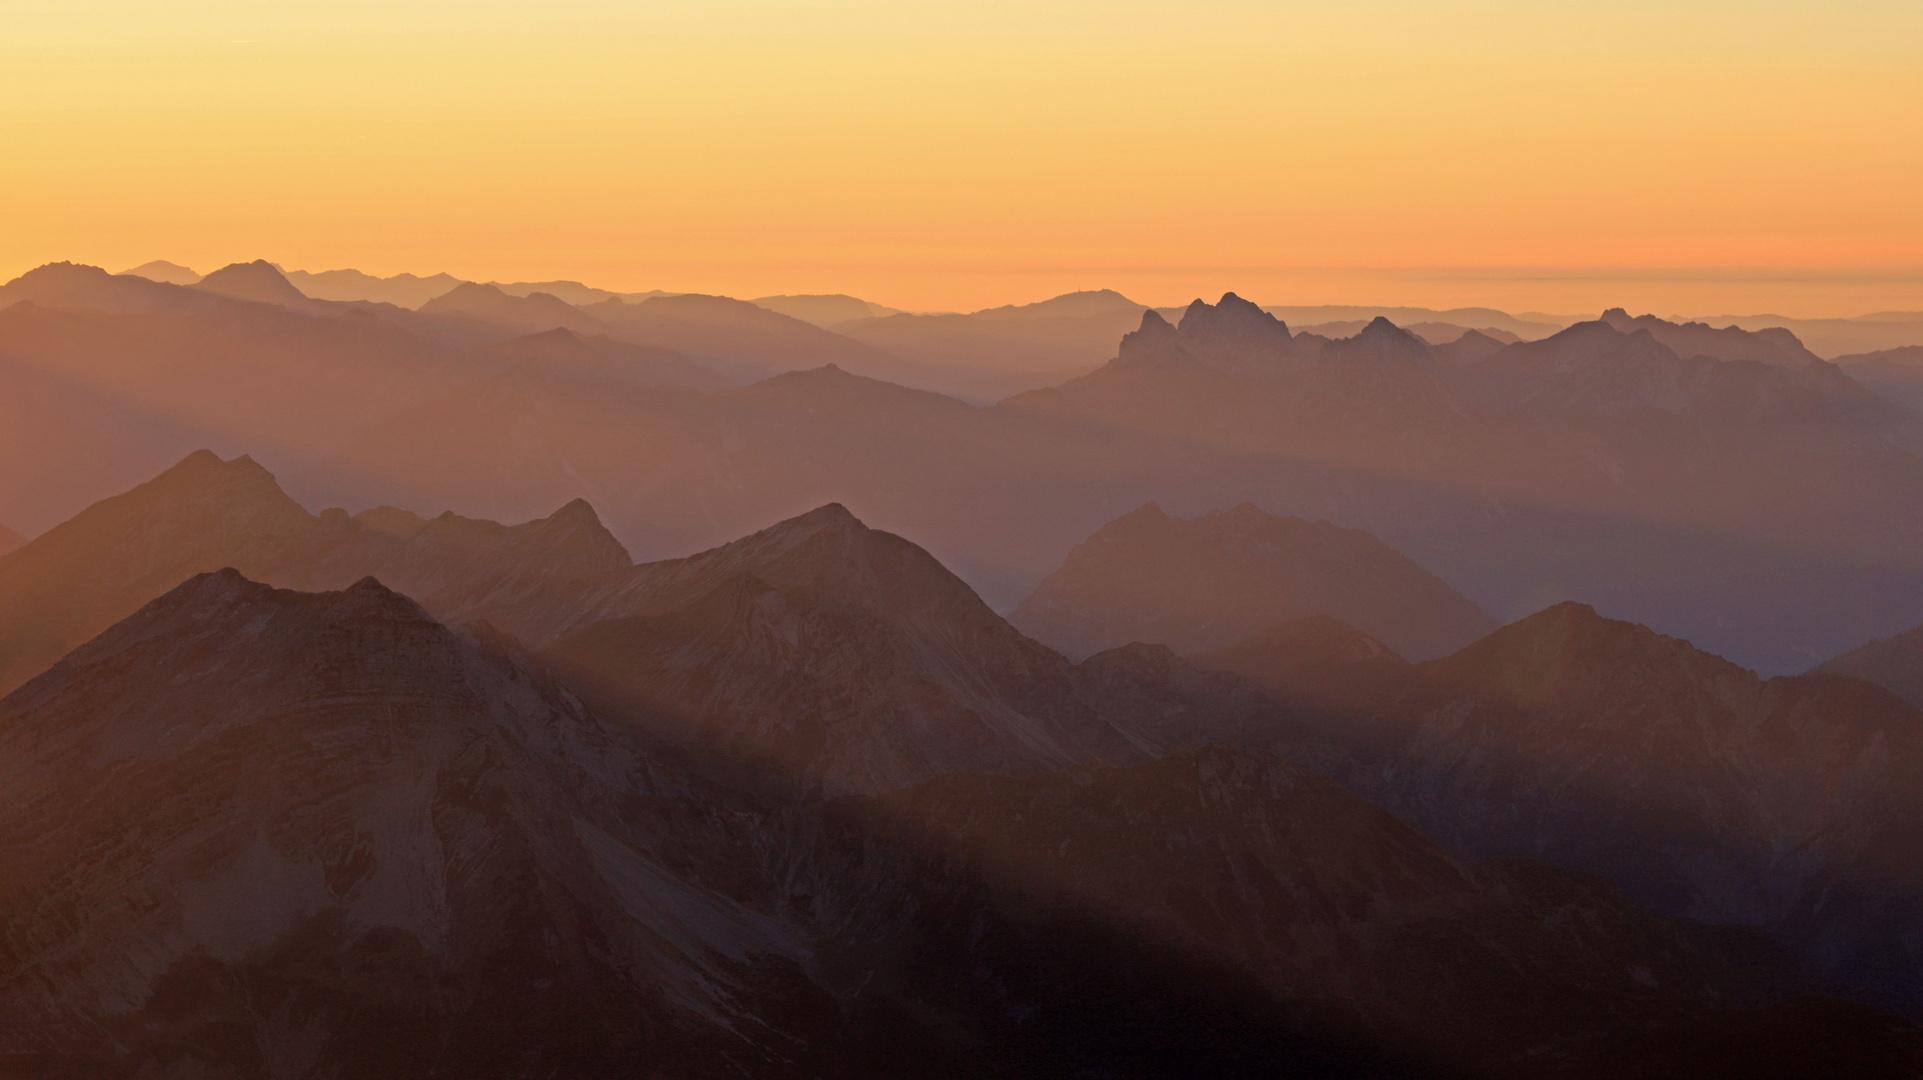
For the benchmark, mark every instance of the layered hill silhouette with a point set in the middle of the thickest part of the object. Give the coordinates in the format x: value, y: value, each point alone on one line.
x: 1897, y: 374
x: 1894, y: 663
x: 1009, y: 349
x: 1214, y: 580
x: 1763, y: 509
x: 369, y: 844
x: 402, y: 290
x: 164, y: 271
x: 834, y: 655
x: 823, y: 310
x: 487, y: 308
x: 10, y: 540
x: 205, y: 514
x: 1702, y: 790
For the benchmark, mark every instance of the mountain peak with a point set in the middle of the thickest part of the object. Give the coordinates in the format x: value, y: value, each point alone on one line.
x: 161, y: 270
x: 259, y: 281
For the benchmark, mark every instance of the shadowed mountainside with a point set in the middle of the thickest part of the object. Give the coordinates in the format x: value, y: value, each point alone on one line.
x: 365, y: 844
x: 1789, y: 804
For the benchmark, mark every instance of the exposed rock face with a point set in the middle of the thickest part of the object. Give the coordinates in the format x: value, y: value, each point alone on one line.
x: 838, y: 655
x: 1206, y: 583
x: 258, y: 833
x: 204, y: 514
x: 1788, y: 804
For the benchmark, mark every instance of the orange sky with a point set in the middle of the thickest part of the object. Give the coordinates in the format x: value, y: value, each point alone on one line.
x: 1688, y: 157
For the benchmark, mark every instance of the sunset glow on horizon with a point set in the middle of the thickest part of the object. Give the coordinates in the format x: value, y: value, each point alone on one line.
x: 1699, y: 158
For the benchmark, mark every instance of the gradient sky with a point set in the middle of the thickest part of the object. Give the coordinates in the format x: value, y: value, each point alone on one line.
x: 1686, y: 156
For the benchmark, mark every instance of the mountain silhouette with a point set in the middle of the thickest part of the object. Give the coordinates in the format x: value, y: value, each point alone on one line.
x: 401, y: 290
x: 823, y: 310
x: 887, y: 670
x: 10, y: 540
x: 259, y: 281
x: 80, y: 577
x: 1894, y: 663
x: 486, y: 307
x: 1897, y: 374
x: 72, y: 285
x: 741, y: 340
x: 163, y: 271
x: 1206, y: 583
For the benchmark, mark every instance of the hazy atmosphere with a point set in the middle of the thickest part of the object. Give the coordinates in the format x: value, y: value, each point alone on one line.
x: 872, y: 540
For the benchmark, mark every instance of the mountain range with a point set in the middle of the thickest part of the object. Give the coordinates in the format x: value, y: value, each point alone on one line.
x: 713, y: 824
x: 1703, y: 791
x: 1763, y: 507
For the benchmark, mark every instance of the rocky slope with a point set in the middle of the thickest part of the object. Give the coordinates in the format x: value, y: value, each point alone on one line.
x: 837, y: 656
x: 258, y: 833
x: 1205, y: 583
x: 1787, y: 804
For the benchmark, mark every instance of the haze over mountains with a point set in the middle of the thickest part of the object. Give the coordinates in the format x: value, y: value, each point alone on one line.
x: 1725, y: 486
x: 601, y: 827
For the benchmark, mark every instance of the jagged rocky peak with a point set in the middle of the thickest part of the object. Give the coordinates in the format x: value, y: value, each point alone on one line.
x: 1775, y: 346
x: 1234, y: 325
x: 1232, y: 334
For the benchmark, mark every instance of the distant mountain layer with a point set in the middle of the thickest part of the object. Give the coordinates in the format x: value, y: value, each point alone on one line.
x: 823, y: 310
x: 403, y: 290
x: 1028, y: 346
x: 1206, y: 583
x: 1894, y: 663
x: 1897, y: 374
x: 1754, y: 505
x: 162, y: 270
